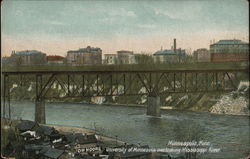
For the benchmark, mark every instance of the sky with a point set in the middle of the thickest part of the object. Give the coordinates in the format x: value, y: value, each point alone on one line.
x: 142, y: 26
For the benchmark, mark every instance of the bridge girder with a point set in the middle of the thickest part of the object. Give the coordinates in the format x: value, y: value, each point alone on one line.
x: 80, y: 84
x: 121, y: 83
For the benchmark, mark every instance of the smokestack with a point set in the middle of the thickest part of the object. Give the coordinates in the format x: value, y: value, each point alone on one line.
x: 174, y: 45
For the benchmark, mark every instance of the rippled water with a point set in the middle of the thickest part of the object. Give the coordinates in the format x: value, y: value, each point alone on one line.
x: 130, y: 124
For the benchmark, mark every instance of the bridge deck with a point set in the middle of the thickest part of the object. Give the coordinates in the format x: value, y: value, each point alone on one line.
x: 126, y: 71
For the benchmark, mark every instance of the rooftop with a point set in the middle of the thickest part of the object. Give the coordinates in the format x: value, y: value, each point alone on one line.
x: 46, y: 130
x: 72, y: 137
x: 80, y: 138
x: 26, y: 125
x: 229, y: 42
x: 169, y: 52
x: 87, y: 49
x: 33, y: 147
x: 28, y: 52
x: 52, y: 153
x: 55, y: 58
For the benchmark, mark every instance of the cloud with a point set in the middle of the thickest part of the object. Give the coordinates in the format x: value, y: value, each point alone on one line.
x: 54, y: 22
x: 118, y: 16
x: 122, y: 12
x: 183, y: 13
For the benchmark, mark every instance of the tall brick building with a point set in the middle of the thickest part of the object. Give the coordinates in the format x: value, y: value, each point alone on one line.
x: 55, y: 60
x: 85, y: 56
x: 229, y: 50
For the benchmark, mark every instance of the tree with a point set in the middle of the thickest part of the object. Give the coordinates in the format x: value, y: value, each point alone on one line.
x: 144, y: 59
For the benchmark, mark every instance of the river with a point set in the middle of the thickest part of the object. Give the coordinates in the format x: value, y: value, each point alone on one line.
x: 228, y: 133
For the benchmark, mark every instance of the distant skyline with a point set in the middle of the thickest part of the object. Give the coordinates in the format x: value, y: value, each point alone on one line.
x: 54, y: 27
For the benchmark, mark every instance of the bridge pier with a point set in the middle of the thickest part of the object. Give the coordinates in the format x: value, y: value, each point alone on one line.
x: 153, y: 107
x: 40, y: 111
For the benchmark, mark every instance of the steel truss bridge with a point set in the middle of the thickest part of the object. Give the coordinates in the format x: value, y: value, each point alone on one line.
x: 80, y: 84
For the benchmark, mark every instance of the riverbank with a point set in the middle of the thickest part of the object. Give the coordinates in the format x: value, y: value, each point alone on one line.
x: 10, y: 124
x: 71, y: 129
x: 29, y: 139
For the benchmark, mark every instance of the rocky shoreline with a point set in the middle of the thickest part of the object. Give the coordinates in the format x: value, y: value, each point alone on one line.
x: 234, y: 103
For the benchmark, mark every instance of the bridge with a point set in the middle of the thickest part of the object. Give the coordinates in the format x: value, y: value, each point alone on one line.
x: 80, y: 84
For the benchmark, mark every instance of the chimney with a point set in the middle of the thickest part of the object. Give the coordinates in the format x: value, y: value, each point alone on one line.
x: 174, y: 45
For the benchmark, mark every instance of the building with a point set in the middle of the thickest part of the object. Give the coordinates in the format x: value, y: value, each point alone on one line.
x: 229, y: 50
x: 85, y: 56
x: 26, y: 125
x: 55, y: 60
x: 125, y: 57
x: 110, y: 59
x: 229, y: 46
x: 169, y: 56
x: 202, y: 55
x: 28, y: 57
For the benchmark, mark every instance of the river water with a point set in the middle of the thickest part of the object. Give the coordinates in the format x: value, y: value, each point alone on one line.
x: 229, y: 134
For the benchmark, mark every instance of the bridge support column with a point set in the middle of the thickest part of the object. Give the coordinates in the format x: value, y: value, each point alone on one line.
x: 153, y: 108
x: 40, y: 111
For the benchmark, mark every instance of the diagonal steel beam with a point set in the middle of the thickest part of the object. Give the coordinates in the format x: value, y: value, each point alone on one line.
x: 44, y: 87
x: 231, y: 81
x: 143, y: 83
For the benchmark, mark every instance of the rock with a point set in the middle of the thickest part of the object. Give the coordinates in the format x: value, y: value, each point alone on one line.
x: 234, y: 103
